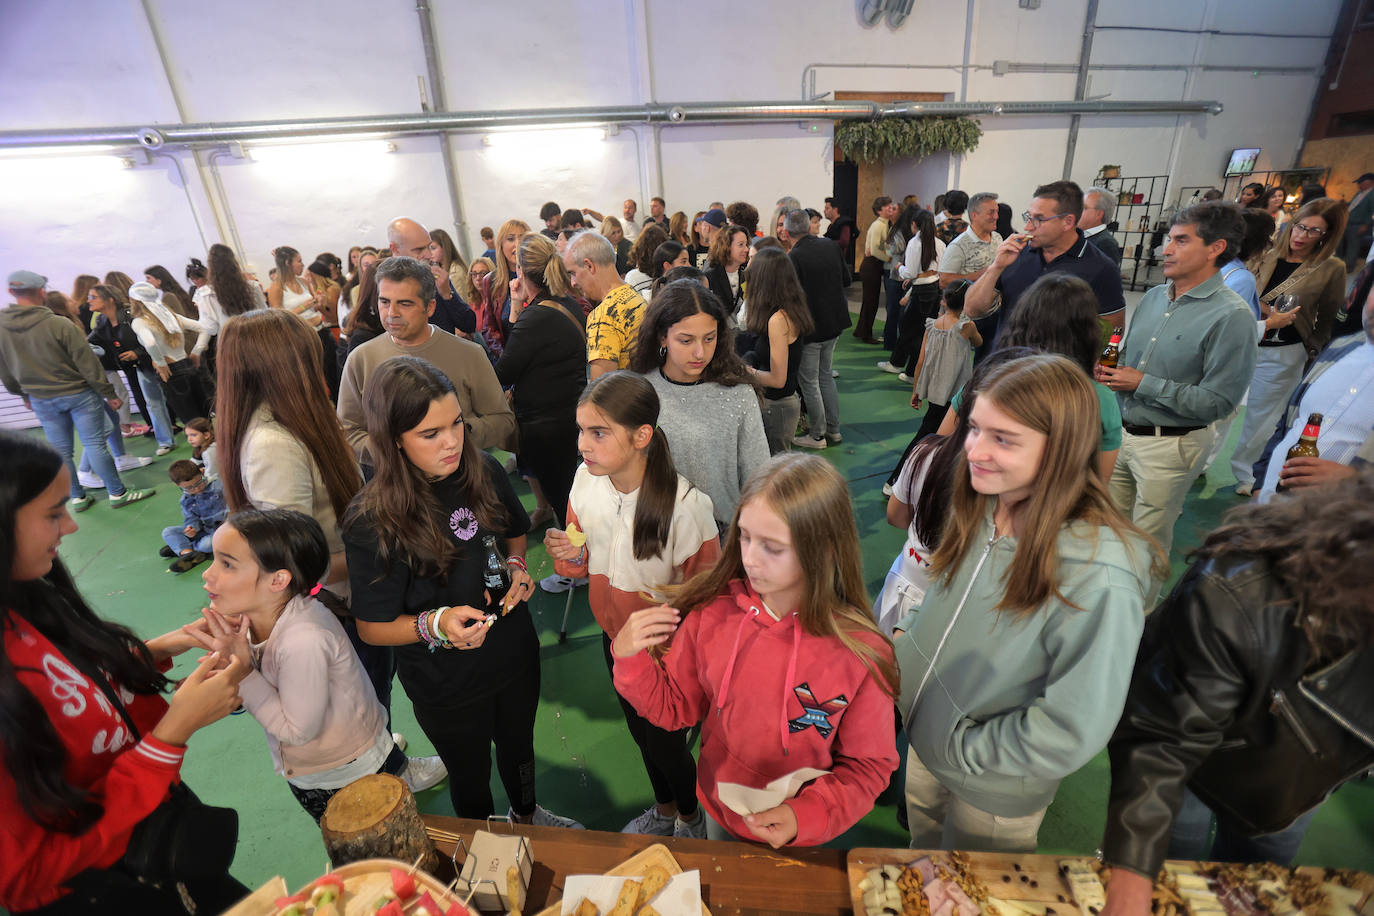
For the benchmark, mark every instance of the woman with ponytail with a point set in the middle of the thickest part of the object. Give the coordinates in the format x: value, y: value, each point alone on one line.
x: 89, y: 749
x: 545, y: 361
x: 644, y: 527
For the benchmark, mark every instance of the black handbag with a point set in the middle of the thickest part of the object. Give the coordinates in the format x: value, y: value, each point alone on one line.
x: 183, y: 839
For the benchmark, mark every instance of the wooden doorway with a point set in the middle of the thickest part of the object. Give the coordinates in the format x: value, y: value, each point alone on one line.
x: 864, y: 180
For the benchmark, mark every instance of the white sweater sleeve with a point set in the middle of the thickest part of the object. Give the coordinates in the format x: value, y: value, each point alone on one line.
x: 150, y: 342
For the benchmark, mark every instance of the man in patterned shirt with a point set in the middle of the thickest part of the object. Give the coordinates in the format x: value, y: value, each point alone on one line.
x: 614, y: 324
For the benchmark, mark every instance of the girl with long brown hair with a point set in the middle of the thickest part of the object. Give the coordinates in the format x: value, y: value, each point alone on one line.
x: 774, y: 334
x: 640, y: 258
x: 436, y: 554
x: 710, y: 410
x: 225, y: 293
x: 1015, y: 670
x: 775, y: 653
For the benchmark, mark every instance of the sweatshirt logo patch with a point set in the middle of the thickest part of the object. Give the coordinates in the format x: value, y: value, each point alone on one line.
x: 463, y: 523
x: 814, y: 712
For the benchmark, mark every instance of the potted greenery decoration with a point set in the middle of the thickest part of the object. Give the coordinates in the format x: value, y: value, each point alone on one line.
x: 906, y: 138
x: 1110, y: 171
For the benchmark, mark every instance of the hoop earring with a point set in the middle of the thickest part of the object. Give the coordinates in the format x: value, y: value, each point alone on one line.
x: 663, y: 353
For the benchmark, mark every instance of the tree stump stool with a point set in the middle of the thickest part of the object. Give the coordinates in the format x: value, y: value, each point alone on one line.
x: 375, y: 818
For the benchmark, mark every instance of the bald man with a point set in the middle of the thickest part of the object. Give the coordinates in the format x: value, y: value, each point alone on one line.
x: 408, y: 238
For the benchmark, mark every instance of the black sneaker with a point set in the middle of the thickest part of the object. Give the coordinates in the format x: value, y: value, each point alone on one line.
x: 166, y: 552
x: 188, y: 562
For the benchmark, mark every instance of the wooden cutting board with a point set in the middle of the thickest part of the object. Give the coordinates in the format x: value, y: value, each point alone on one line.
x: 635, y: 865
x: 1008, y: 876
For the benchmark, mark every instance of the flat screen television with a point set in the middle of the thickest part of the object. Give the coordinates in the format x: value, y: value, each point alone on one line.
x: 1242, y: 161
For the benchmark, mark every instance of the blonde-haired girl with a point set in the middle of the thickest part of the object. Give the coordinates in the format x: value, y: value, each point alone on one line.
x: 1015, y: 669
x: 775, y: 653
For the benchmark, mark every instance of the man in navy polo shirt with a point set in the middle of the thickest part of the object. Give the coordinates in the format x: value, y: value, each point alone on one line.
x: 1051, y: 240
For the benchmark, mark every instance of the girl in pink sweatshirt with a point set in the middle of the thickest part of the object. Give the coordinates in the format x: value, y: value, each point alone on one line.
x: 775, y: 653
x: 645, y: 527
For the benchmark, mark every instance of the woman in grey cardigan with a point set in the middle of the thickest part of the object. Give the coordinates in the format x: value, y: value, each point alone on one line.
x: 709, y: 409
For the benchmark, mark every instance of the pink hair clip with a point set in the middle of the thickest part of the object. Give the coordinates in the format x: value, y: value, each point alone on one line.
x: 316, y: 590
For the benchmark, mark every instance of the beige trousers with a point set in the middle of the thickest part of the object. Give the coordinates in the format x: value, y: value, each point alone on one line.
x: 1153, y: 475
x: 939, y: 819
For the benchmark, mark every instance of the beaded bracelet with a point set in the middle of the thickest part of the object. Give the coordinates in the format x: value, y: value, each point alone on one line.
x: 420, y: 632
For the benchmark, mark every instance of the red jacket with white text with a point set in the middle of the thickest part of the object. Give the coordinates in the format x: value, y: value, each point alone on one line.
x: 130, y: 778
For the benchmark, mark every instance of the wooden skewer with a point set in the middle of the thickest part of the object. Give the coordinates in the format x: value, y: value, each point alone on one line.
x: 472, y: 892
x: 415, y: 867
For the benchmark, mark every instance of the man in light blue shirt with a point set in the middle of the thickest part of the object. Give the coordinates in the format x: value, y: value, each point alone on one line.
x: 1340, y: 387
x: 1185, y: 363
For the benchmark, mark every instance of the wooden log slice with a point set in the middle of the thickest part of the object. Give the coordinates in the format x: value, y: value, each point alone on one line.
x: 375, y: 818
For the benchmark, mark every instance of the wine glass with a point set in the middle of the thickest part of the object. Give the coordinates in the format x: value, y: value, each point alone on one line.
x: 1282, y: 303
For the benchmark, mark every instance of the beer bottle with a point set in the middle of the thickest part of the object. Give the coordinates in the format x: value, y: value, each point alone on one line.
x: 1112, y: 353
x: 495, y: 574
x: 1306, y: 446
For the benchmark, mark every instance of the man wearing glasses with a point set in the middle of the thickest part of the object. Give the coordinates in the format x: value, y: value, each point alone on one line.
x: 1051, y: 240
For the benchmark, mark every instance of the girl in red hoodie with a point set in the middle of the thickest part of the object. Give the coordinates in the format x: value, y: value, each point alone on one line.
x: 775, y: 653
x: 645, y: 527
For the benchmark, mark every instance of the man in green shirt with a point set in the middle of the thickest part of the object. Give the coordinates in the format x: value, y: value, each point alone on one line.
x: 1185, y: 363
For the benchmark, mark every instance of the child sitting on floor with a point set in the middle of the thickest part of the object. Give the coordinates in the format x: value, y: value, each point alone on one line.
x: 202, y: 511
x: 200, y: 434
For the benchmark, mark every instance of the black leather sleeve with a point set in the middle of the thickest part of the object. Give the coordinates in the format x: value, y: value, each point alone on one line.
x: 1192, y: 676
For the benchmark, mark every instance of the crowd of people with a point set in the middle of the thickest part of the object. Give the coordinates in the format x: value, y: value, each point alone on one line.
x: 660, y: 386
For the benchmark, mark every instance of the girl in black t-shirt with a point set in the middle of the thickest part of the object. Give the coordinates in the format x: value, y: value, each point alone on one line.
x: 418, y: 538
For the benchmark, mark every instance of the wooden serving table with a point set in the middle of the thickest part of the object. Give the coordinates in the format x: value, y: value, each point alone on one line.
x: 736, y: 878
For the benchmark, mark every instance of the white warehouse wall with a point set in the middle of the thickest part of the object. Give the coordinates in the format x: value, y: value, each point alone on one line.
x: 73, y: 63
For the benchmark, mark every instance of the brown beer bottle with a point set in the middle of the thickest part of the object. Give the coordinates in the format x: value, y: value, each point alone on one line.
x: 1306, y: 446
x: 1112, y: 353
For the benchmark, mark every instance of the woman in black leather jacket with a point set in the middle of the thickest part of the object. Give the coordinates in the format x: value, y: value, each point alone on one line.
x: 1251, y: 690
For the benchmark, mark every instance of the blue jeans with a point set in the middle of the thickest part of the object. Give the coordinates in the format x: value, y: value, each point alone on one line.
x: 1190, y: 837
x: 157, y: 406
x: 177, y: 540
x: 817, y: 385
x: 85, y: 412
x: 114, y: 439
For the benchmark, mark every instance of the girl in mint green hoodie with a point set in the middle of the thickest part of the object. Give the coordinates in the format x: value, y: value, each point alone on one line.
x: 1015, y: 669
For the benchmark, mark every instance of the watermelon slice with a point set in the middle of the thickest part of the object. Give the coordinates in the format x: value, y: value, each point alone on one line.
x: 402, y: 883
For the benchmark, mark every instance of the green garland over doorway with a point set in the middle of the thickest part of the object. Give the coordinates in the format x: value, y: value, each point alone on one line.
x: 906, y: 138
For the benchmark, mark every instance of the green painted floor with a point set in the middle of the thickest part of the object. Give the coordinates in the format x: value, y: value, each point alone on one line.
x: 588, y: 766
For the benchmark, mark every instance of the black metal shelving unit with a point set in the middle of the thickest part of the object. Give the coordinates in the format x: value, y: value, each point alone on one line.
x: 1138, y: 225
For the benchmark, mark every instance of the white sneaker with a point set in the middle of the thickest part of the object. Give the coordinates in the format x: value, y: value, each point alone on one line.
x: 557, y: 585
x: 651, y: 823
x: 164, y: 450
x: 399, y: 740
x: 130, y: 462
x: 694, y: 829
x: 543, y: 817
x: 809, y: 442
x: 424, y: 773
x: 1243, y: 489
x: 903, y: 377
x: 887, y: 366
x: 90, y: 480
x: 834, y: 373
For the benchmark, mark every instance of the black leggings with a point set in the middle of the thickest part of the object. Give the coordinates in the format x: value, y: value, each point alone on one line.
x: 930, y: 425
x: 548, y: 449
x: 924, y: 303
x: 185, y: 392
x: 667, y: 759
x: 463, y: 733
